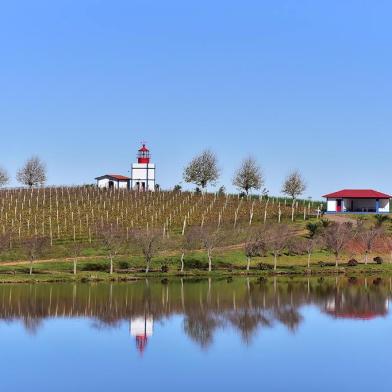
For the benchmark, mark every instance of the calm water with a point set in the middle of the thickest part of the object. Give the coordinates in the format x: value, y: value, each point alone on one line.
x: 290, y: 335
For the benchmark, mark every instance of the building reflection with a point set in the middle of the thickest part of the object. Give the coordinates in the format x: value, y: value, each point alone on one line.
x: 247, y: 306
x: 141, y: 328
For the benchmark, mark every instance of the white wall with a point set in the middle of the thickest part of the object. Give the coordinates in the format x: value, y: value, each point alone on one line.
x: 384, y: 205
x: 140, y: 173
x: 104, y: 183
x: 331, y: 205
x: 123, y: 184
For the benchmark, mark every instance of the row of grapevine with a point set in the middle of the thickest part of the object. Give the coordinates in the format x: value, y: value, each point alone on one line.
x: 74, y: 213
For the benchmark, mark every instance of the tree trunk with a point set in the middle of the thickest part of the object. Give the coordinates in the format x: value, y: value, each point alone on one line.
x: 182, y: 261
x: 366, y: 257
x: 336, y: 260
x: 248, y: 265
x: 209, y: 262
x: 31, y: 267
x: 292, y: 210
x: 74, y: 265
x: 111, y: 265
x: 309, y: 256
x: 275, y: 261
x: 147, y: 266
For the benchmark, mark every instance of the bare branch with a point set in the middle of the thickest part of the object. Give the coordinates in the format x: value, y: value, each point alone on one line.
x: 202, y: 170
x: 33, y: 173
x: 4, y: 178
x: 249, y: 176
x: 294, y: 185
x: 149, y: 242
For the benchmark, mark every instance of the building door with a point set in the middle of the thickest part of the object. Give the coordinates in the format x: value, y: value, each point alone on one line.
x: 111, y: 184
x: 338, y: 205
x: 143, y: 186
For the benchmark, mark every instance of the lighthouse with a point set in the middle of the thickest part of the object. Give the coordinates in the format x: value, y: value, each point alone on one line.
x: 143, y: 172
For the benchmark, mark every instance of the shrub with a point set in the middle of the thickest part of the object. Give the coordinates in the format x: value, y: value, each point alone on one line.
x: 164, y: 268
x: 195, y: 264
x: 352, y: 263
x: 123, y: 264
x: 326, y: 264
x: 378, y: 260
x: 313, y: 228
x: 264, y: 267
x: 95, y: 267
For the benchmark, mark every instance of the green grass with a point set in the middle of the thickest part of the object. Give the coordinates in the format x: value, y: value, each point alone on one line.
x: 224, y: 264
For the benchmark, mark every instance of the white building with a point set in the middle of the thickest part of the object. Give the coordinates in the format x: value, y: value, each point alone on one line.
x: 142, y: 175
x: 358, y: 201
x: 113, y: 181
x: 143, y: 172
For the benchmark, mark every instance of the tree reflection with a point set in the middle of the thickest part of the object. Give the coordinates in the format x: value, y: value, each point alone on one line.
x: 200, y: 327
x: 246, y: 306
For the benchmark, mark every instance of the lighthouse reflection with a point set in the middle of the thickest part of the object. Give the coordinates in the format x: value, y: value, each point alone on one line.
x: 141, y: 328
x: 245, y: 306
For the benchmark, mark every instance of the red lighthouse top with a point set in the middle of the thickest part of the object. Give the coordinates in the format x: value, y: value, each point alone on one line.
x: 143, y: 155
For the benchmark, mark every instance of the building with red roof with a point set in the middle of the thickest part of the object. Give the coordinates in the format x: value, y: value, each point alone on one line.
x: 116, y: 181
x: 358, y: 201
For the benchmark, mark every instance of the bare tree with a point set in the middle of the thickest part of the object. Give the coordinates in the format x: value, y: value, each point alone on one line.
x: 336, y: 237
x: 34, y: 247
x: 209, y: 238
x: 189, y: 242
x: 4, y: 178
x: 387, y: 245
x: 202, y: 170
x: 294, y: 185
x: 279, y: 236
x: 254, y: 246
x: 149, y: 241
x: 113, y: 240
x: 76, y: 249
x: 249, y: 175
x: 368, y: 237
x: 33, y: 173
x: 308, y: 245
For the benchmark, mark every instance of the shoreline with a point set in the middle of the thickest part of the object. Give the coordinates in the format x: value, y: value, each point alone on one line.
x: 95, y: 277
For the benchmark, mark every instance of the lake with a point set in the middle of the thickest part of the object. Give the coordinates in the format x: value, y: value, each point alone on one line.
x: 319, y: 334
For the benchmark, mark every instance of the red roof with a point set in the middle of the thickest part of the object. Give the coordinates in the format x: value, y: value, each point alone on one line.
x: 357, y: 315
x: 144, y: 149
x: 358, y: 194
x: 118, y: 177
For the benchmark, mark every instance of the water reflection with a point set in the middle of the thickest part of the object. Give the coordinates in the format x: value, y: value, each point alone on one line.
x: 141, y: 329
x: 206, y: 306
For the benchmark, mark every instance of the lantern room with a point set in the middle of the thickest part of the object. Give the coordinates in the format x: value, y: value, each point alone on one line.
x: 143, y: 155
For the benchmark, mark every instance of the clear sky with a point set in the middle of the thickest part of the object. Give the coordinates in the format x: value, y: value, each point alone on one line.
x: 297, y: 84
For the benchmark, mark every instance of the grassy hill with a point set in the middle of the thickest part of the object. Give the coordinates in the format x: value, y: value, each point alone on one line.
x: 69, y: 215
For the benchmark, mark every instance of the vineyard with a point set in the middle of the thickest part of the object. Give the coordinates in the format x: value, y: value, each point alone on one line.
x: 66, y: 214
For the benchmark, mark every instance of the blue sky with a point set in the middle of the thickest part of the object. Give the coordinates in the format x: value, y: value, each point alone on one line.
x: 297, y: 84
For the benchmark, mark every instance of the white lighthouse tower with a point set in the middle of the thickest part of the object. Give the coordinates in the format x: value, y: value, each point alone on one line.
x: 143, y: 172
